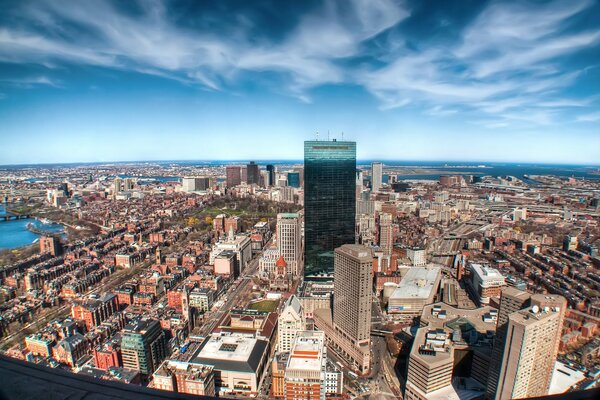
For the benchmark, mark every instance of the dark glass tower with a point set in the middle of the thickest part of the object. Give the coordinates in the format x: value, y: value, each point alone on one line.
x: 329, y: 203
x: 253, y: 174
x: 271, y: 171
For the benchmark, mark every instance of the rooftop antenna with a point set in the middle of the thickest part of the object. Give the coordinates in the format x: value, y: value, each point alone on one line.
x: 328, y: 135
x: 342, y: 136
x: 317, y: 136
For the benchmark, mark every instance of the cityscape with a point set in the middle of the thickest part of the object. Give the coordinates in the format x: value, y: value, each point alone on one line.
x: 173, y: 225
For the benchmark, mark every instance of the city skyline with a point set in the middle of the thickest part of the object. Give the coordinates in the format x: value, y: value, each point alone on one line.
x: 106, y: 82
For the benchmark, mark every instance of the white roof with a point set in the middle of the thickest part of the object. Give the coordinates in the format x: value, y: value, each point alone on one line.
x: 232, y: 348
x: 486, y: 273
x: 563, y: 378
x: 417, y: 283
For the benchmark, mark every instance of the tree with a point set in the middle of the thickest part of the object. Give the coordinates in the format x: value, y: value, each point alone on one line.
x: 192, y: 221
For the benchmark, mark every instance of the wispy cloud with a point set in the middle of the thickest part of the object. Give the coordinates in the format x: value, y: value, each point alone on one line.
x: 592, y: 117
x: 506, y: 64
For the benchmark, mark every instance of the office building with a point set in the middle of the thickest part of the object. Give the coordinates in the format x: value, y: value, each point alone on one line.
x: 304, y: 376
x: 291, y: 321
x: 485, y: 283
x: 293, y: 179
x: 252, y: 174
x: 195, y: 184
x: 289, y: 241
x: 233, y: 175
x: 329, y: 203
x: 417, y: 256
x: 528, y: 359
x: 143, y: 345
x: 376, y: 176
x: 348, y: 325
x: 271, y: 175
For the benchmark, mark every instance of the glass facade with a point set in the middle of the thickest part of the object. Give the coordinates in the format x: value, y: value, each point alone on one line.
x: 293, y: 179
x: 329, y: 203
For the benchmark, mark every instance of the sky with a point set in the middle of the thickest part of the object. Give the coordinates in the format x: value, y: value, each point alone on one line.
x: 464, y: 80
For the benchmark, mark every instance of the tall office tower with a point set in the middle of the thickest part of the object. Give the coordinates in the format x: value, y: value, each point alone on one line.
x: 386, y: 233
x: 143, y: 345
x: 271, y: 172
x: 376, y: 176
x: 304, y: 377
x: 289, y: 241
x: 290, y: 322
x: 527, y: 362
x: 352, y: 303
x: 118, y: 182
x: 511, y: 300
x: 293, y: 179
x: 300, y: 171
x: 233, y: 175
x: 329, y: 203
x: 253, y: 174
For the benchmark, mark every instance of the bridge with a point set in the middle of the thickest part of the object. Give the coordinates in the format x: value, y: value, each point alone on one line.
x: 7, y: 216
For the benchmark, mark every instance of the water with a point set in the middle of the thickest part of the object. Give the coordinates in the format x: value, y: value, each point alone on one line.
x: 14, y: 234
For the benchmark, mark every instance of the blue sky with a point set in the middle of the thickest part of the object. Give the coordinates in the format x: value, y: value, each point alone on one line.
x: 408, y: 80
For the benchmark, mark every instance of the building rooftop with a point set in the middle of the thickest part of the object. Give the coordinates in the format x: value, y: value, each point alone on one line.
x: 486, y: 273
x: 231, y: 353
x: 417, y: 283
x: 307, y: 351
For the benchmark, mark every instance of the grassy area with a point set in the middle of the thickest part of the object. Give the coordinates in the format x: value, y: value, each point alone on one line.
x: 264, y: 305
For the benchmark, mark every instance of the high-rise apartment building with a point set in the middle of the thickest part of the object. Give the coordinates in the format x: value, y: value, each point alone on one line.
x: 527, y: 362
x: 348, y: 325
x: 329, y: 203
x: 376, y: 176
x: 252, y: 174
x: 233, y: 175
x: 143, y: 345
x: 304, y: 377
x: 289, y: 241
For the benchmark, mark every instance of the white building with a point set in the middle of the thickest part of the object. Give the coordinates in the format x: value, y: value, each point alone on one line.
x: 486, y: 282
x: 291, y: 321
x: 416, y: 289
x: 376, y: 176
x: 238, y: 362
x: 240, y: 244
x: 417, y: 256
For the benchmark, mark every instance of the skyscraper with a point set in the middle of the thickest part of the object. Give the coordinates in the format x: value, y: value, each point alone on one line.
x: 348, y: 326
x: 329, y: 203
x: 511, y: 300
x: 376, y: 176
x: 527, y: 363
x: 289, y: 241
x: 253, y: 174
x: 233, y: 175
x: 271, y: 173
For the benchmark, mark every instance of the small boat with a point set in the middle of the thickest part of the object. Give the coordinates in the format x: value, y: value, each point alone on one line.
x: 45, y: 221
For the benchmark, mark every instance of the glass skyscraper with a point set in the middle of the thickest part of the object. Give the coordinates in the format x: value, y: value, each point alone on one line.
x: 329, y: 203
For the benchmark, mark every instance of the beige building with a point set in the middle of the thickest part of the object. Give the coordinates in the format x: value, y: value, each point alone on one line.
x: 511, y: 300
x: 530, y: 350
x: 289, y: 241
x: 449, y: 337
x: 348, y: 329
x: 291, y: 321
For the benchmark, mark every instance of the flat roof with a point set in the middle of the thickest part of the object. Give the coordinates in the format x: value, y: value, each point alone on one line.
x: 231, y: 353
x: 563, y: 377
x: 417, y: 283
x: 307, y: 351
x: 486, y: 273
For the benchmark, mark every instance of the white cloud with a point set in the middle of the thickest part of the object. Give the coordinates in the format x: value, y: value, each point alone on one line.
x: 592, y: 117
